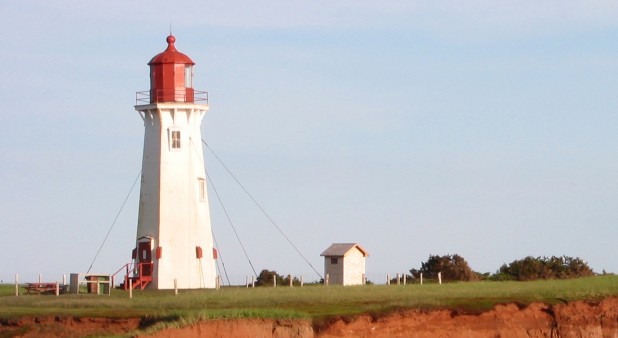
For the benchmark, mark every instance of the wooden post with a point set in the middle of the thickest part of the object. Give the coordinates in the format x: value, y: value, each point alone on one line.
x: 291, y: 281
x: 439, y: 277
x: 421, y: 278
x: 175, y: 287
x: 16, y: 285
x: 326, y: 279
x: 130, y: 288
x: 405, y: 277
x: 275, y: 280
x: 398, y: 276
x: 57, y: 289
x: 218, y: 282
x: 302, y: 280
x: 388, y: 279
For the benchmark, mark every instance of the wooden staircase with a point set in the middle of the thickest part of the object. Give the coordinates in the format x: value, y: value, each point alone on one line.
x: 138, y: 276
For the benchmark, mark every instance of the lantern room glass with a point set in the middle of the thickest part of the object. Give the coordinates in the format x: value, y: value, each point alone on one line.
x: 188, y: 76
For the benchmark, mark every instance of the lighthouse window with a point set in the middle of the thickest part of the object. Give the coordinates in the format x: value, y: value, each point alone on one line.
x: 175, y: 139
x: 189, y: 76
x: 202, y: 187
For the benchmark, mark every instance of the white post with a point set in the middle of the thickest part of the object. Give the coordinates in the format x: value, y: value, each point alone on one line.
x: 302, y: 280
x: 16, y: 285
x: 218, y: 282
x: 326, y: 279
x: 405, y: 277
x: 398, y: 276
x: 252, y: 281
x: 246, y: 281
x: 421, y: 278
x: 40, y: 278
x: 439, y: 277
x: 363, y: 279
x: 57, y: 289
x: 175, y: 287
x: 388, y: 279
x: 291, y: 281
x: 275, y: 280
x: 64, y: 279
x: 130, y: 288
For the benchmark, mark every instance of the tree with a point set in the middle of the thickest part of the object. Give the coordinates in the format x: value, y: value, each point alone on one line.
x: 531, y: 268
x: 265, y: 278
x: 452, y: 267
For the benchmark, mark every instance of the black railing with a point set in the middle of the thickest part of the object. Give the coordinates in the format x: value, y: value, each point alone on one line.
x: 196, y: 96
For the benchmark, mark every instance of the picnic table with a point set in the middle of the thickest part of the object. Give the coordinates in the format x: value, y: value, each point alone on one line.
x: 43, y: 288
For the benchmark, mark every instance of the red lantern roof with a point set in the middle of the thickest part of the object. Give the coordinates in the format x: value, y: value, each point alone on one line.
x: 171, y: 55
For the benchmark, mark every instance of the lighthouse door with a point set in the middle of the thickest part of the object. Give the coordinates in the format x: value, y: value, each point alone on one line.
x: 144, y: 256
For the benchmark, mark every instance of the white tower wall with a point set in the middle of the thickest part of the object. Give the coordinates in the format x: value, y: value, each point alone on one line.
x: 174, y: 209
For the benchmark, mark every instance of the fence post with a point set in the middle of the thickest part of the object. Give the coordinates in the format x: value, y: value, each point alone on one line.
x: 302, y: 281
x: 275, y: 280
x: 252, y: 281
x: 57, y: 289
x: 40, y: 278
x: 364, y: 279
x: 326, y: 278
x: 439, y: 277
x: 130, y: 288
x: 388, y: 279
x: 405, y: 277
x: 291, y: 281
x: 64, y: 279
x: 421, y: 278
x: 175, y: 287
x: 398, y: 276
x: 218, y: 282
x: 16, y: 285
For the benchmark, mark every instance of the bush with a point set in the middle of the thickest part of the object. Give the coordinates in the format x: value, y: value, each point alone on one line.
x: 452, y: 267
x: 265, y: 278
x: 531, y: 268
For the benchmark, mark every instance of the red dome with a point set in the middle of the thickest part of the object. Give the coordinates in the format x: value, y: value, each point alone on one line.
x: 171, y: 55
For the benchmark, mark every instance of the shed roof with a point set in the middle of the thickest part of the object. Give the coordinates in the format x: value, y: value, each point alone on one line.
x: 342, y: 249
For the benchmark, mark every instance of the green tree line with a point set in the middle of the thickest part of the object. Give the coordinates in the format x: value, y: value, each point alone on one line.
x: 456, y: 268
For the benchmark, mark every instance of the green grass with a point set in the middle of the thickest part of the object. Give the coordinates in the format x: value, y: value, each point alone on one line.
x: 309, y: 302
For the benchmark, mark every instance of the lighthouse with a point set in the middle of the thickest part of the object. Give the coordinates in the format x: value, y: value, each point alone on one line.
x: 174, y: 245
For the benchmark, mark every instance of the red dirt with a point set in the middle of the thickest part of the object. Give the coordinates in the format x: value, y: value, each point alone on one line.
x: 577, y: 319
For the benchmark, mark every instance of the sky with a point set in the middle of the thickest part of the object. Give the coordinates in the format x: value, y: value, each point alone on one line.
x: 414, y: 128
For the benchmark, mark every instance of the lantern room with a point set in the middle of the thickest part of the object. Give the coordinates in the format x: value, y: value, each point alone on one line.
x: 171, y: 75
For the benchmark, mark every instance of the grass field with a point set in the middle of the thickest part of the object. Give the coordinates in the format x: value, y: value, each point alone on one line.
x: 310, y: 302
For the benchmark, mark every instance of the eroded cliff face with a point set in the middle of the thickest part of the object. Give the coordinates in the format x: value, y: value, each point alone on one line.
x: 576, y: 319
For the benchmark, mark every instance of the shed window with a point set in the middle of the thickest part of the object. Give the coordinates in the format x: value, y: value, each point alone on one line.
x: 334, y: 260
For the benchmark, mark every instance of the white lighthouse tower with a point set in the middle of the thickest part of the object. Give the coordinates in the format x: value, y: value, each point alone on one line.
x: 174, y: 239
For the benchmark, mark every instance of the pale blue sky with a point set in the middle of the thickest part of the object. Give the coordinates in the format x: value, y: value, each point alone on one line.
x: 483, y: 128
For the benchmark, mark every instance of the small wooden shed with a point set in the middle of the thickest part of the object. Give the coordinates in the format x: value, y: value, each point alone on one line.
x: 344, y: 263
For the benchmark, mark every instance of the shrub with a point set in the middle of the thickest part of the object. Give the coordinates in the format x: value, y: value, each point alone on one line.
x: 531, y: 268
x: 452, y: 267
x: 265, y: 278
